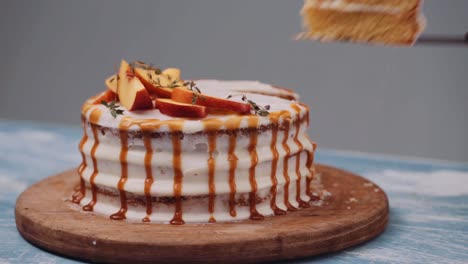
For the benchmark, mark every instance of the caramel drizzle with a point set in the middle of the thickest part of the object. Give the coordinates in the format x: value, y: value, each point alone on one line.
x: 287, y: 122
x: 310, y: 155
x: 211, y: 172
x: 254, y: 214
x: 123, y: 131
x: 149, y: 175
x: 306, y: 116
x: 146, y: 126
x: 212, y: 129
x: 274, y: 164
x: 298, y: 158
x: 93, y: 118
x: 86, y: 108
x: 80, y: 193
x: 232, y: 125
x: 309, y: 162
x: 176, y: 128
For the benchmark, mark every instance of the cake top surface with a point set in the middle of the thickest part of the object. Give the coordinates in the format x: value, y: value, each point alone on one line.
x: 143, y: 97
x: 278, y: 101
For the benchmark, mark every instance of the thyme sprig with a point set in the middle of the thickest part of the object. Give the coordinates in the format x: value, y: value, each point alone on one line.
x: 113, y: 108
x: 174, y: 84
x: 258, y: 109
x: 146, y: 66
x: 192, y: 86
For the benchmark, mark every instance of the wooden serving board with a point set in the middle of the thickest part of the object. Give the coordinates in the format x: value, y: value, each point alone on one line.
x: 356, y: 211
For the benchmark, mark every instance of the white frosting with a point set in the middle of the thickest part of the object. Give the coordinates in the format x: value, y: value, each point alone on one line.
x: 346, y: 6
x: 214, y: 88
x: 194, y: 148
x: 194, y: 162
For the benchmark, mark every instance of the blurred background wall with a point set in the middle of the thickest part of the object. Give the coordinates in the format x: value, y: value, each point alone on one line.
x: 409, y: 101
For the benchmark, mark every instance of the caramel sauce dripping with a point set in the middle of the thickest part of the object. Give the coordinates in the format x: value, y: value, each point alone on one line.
x: 287, y: 123
x: 274, y: 118
x: 149, y: 174
x: 80, y: 193
x: 212, y: 130
x: 232, y: 125
x: 125, y: 124
x: 212, y: 124
x: 310, y: 155
x: 86, y: 108
x: 147, y: 126
x: 93, y: 119
x: 301, y: 203
x: 306, y: 116
x: 176, y: 128
x: 253, y: 134
x: 309, y: 162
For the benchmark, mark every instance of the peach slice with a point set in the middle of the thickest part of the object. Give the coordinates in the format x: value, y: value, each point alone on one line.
x: 131, y: 91
x: 177, y: 109
x: 156, y: 84
x: 184, y: 95
x: 172, y: 73
x: 111, y: 83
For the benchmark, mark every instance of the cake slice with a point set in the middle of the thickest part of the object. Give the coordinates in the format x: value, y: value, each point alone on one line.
x: 391, y: 22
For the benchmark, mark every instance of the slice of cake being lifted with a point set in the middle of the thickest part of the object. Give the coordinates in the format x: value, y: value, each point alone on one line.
x: 391, y: 22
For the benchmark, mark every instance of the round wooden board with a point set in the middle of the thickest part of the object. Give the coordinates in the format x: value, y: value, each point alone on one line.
x: 46, y: 218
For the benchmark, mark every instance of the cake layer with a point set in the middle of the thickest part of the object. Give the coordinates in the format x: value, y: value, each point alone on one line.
x: 195, y: 208
x: 198, y: 169
x: 195, y: 149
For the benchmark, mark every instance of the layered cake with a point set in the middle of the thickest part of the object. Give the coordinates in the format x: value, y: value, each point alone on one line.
x: 393, y: 22
x: 160, y: 149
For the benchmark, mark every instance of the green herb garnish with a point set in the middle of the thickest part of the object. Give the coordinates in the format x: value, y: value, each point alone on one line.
x: 192, y: 86
x: 113, y: 108
x: 146, y: 66
x: 174, y: 84
x: 259, y: 110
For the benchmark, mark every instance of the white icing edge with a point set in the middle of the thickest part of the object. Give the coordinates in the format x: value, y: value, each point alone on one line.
x: 345, y: 6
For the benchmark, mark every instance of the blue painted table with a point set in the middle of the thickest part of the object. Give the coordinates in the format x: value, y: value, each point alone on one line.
x: 428, y: 199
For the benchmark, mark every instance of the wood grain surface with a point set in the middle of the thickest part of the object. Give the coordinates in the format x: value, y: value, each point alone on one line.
x: 356, y: 211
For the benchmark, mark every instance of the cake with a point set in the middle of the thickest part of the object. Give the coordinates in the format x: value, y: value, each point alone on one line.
x: 391, y: 22
x: 159, y: 149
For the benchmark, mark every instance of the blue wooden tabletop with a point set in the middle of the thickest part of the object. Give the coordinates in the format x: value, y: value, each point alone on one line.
x: 428, y: 199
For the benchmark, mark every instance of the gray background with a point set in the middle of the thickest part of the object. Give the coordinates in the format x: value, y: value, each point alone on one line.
x: 409, y: 101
